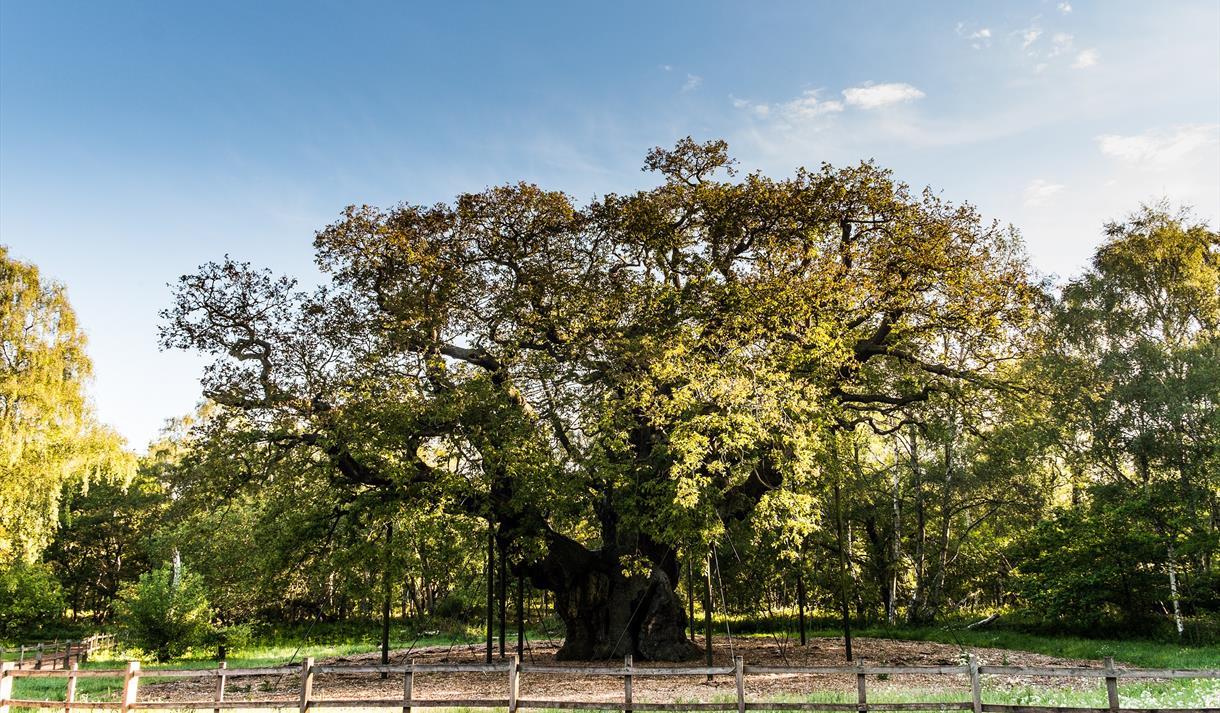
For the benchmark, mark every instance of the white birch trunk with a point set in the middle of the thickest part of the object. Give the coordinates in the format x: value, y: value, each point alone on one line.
x: 1173, y: 594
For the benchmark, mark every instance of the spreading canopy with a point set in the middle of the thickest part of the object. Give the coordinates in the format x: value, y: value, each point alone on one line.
x: 611, y: 383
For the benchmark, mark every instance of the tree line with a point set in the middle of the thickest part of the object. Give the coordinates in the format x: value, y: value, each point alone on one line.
x: 826, y: 391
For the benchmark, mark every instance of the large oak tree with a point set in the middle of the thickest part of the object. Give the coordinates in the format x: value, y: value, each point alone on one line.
x: 613, y: 383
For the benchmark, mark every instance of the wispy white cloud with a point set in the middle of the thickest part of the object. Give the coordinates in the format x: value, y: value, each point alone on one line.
x: 1040, y: 191
x: 1061, y: 43
x: 1029, y: 36
x: 1086, y: 58
x: 1065, y: 7
x: 978, y: 38
x: 807, y: 106
x: 1160, y: 148
x: 692, y: 82
x: 759, y: 110
x: 873, y: 96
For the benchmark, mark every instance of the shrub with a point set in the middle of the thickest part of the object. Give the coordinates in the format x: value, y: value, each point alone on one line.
x: 162, y: 619
x: 233, y: 637
x: 453, y: 606
x: 30, y: 598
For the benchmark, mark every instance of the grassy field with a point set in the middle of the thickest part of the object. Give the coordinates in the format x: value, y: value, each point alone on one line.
x: 291, y: 644
x: 1133, y: 652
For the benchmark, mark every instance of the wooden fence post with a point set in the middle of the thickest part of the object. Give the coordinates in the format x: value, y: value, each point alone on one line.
x: 220, y: 684
x: 861, y: 690
x: 131, y: 687
x: 6, y: 685
x: 976, y: 685
x: 739, y: 674
x: 38, y: 657
x: 408, y: 687
x: 306, y: 683
x: 628, y: 667
x: 70, y: 698
x: 21, y: 661
x: 1111, y: 684
x: 514, y: 682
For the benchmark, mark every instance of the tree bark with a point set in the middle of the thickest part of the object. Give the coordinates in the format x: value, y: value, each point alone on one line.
x: 921, y: 533
x: 608, y: 615
x: 491, y: 576
x: 800, y: 600
x: 891, y: 613
x: 1173, y: 594
x: 843, y: 574
x: 502, y: 584
x: 385, y: 602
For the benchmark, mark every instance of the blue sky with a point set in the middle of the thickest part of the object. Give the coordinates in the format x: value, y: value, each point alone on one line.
x: 138, y: 140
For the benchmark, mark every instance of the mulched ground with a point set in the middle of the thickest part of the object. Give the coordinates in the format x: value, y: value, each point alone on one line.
x: 756, y: 651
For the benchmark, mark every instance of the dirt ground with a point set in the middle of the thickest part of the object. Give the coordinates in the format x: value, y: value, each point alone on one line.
x: 755, y: 651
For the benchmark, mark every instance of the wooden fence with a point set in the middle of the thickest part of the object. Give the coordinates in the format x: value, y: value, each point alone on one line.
x: 58, y: 654
x: 512, y: 669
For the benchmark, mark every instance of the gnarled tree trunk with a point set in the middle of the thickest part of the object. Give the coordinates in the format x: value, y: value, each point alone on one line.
x: 608, y: 615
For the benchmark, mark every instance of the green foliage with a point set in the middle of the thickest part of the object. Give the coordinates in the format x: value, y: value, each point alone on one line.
x: 103, y: 539
x: 162, y: 617
x: 30, y: 599
x: 1133, y: 362
x: 48, y: 436
x: 230, y: 637
x: 1088, y: 569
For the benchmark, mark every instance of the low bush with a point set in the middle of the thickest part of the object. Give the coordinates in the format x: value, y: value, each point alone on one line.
x: 30, y: 599
x: 162, y: 617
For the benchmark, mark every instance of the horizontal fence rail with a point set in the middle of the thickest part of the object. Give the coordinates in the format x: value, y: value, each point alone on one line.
x: 512, y: 669
x: 56, y: 654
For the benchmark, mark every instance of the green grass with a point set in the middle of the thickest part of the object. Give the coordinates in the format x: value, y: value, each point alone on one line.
x: 1143, y: 653
x: 282, y: 650
x: 283, y: 645
x: 1183, y: 693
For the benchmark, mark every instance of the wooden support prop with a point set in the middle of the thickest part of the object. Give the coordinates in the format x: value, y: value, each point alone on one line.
x: 306, y: 683
x: 707, y: 612
x: 408, y: 686
x: 976, y: 686
x: 514, y: 681
x: 70, y: 698
x: 6, y: 684
x: 21, y: 660
x: 38, y: 657
x: 520, y: 615
x: 1111, y: 684
x: 739, y: 674
x: 628, y: 667
x: 131, y: 687
x: 861, y: 690
x: 220, y: 684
